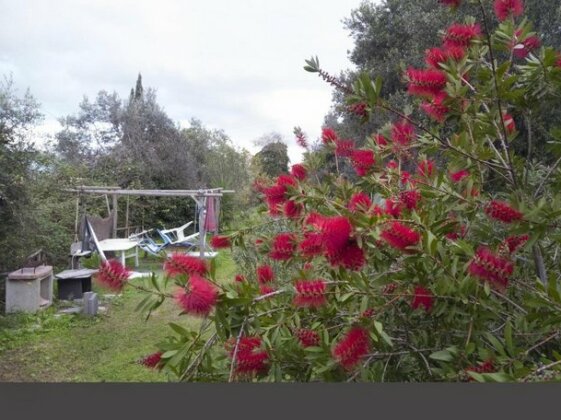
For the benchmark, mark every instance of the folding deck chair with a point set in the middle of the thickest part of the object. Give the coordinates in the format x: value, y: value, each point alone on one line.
x: 146, y: 243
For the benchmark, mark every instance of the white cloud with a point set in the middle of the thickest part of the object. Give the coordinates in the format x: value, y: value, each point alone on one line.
x: 234, y: 65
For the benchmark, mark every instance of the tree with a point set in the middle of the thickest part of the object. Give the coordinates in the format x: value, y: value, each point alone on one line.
x: 87, y: 137
x: 273, y: 157
x: 134, y: 144
x: 220, y: 165
x: 394, y: 32
x: 17, y: 116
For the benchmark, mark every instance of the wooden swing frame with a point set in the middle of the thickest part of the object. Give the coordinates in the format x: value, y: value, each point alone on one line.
x: 199, y: 196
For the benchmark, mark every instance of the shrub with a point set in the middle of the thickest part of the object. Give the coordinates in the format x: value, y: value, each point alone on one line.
x: 413, y: 268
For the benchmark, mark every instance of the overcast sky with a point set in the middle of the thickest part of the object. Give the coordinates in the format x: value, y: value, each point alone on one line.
x: 235, y: 65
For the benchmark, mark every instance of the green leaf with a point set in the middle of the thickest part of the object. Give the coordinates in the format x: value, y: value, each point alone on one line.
x: 508, y: 338
x: 498, y: 377
x: 212, y: 271
x: 379, y: 82
x: 179, y: 329
x: 477, y: 376
x: 380, y: 330
x: 442, y: 355
x: 487, y: 288
x: 169, y: 354
x: 496, y: 344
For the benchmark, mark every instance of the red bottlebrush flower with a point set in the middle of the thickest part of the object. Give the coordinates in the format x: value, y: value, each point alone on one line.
x: 410, y: 198
x: 377, y: 211
x: 558, y: 61
x: 284, y: 246
x: 491, y: 268
x: 380, y: 140
x: 198, y: 298
x: 152, y: 361
x: 218, y: 242
x: 406, y: 178
x: 523, y: 49
x: 455, y: 53
x: 300, y: 137
x: 287, y: 180
x: 359, y: 202
x: 113, y: 275
x: 451, y: 3
x: 265, y: 274
x: 461, y: 36
x: 328, y: 136
x: 360, y: 109
x: 368, y: 313
x: 181, y: 264
x: 265, y: 290
x: 310, y: 293
x: 393, y: 207
x: 422, y: 298
x: 312, y: 245
x: 351, y: 256
x: 425, y: 82
x: 485, y: 367
x: 299, y: 172
x: 499, y: 210
x: 425, y: 168
x: 392, y: 164
x: 362, y: 161
x: 308, y: 266
x: 457, y: 234
x: 434, y: 57
x: 275, y: 196
x: 250, y: 357
x: 352, y: 348
x: 400, y: 236
x: 435, y: 108
x: 389, y: 289
x: 314, y: 219
x: 336, y: 232
x: 344, y: 148
x: 506, y: 8
x: 459, y: 175
x: 240, y: 278
x: 403, y: 133
x: 307, y: 338
x: 292, y: 210
x: 514, y: 243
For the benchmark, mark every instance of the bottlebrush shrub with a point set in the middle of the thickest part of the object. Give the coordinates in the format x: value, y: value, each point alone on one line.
x: 446, y: 237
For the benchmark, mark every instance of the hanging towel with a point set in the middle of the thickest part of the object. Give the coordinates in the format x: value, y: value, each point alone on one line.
x: 211, y: 217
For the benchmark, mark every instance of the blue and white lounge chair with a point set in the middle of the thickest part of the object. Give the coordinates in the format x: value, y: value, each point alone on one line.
x: 146, y: 243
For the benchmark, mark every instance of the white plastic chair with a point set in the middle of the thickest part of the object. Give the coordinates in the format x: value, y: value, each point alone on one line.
x: 177, y: 236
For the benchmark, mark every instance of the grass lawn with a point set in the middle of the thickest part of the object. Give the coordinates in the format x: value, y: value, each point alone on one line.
x: 73, y: 348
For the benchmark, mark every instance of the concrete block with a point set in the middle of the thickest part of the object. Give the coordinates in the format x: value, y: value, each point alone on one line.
x: 29, y: 289
x: 91, y: 304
